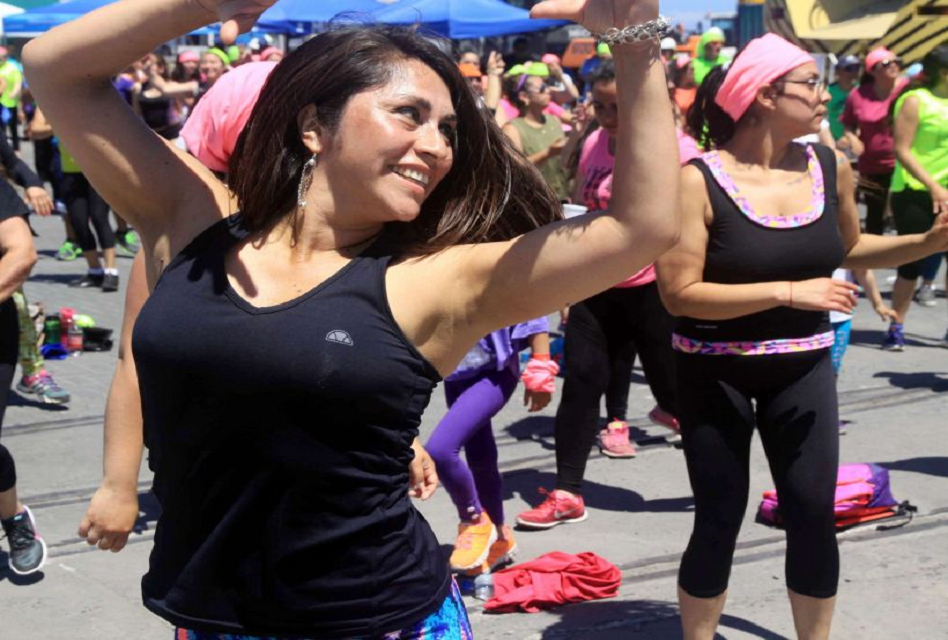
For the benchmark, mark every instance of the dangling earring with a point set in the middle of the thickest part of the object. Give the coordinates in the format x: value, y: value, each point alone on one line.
x: 306, y: 179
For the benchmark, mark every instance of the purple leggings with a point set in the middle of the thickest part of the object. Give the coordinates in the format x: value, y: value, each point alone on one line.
x: 472, y: 403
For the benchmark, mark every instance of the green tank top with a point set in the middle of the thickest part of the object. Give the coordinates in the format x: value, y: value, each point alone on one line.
x: 534, y: 140
x: 930, y: 146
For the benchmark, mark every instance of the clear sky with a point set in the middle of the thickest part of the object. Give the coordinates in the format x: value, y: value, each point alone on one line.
x: 692, y: 11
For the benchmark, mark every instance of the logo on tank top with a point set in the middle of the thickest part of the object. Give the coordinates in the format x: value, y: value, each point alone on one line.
x: 339, y: 337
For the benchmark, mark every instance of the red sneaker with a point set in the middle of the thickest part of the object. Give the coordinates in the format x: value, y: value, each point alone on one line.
x: 558, y: 508
x: 614, y: 440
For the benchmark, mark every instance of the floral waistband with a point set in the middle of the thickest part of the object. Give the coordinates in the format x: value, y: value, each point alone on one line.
x: 750, y: 348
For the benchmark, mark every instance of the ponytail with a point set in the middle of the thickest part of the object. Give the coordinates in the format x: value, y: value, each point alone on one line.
x: 707, y: 122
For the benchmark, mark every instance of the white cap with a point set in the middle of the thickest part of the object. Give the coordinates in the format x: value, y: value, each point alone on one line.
x: 668, y: 43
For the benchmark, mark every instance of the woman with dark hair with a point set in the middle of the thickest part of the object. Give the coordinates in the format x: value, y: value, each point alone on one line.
x: 920, y: 182
x: 766, y: 222
x: 287, y: 352
x: 866, y: 117
x: 155, y: 108
x: 604, y: 333
x: 539, y: 136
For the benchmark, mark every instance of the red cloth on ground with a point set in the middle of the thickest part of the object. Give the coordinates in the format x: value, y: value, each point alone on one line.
x: 553, y: 579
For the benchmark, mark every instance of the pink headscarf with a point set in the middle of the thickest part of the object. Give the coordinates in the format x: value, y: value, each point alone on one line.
x: 212, y: 130
x: 189, y: 56
x: 762, y: 61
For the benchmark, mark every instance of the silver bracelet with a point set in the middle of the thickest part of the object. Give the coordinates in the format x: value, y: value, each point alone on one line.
x: 651, y: 30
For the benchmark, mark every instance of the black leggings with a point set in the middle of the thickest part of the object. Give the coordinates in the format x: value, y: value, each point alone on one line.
x: 9, y: 348
x: 86, y: 206
x: 798, y: 420
x: 48, y: 167
x: 614, y: 325
x: 913, y: 214
x: 14, y: 136
x: 875, y: 194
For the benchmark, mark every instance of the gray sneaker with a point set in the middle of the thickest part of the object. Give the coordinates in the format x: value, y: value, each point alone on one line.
x: 27, y: 549
x: 44, y: 387
x: 925, y: 296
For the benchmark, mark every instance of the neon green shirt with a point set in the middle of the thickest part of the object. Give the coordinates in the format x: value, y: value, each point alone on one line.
x: 68, y: 162
x: 11, y: 74
x: 930, y: 146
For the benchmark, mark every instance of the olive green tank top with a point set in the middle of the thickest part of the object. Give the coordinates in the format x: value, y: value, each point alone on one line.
x: 537, y: 139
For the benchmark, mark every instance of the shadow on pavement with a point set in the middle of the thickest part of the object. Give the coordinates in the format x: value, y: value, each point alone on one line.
x: 871, y: 338
x: 933, y: 465
x: 14, y: 399
x: 654, y: 619
x: 149, y: 511
x: 59, y: 278
x: 20, y: 581
x: 527, y: 482
x: 921, y: 380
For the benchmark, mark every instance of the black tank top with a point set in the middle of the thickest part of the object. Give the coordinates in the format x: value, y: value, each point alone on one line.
x: 280, y: 439
x: 742, y: 250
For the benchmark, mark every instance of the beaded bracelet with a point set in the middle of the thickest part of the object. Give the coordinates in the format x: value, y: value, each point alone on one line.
x: 651, y: 30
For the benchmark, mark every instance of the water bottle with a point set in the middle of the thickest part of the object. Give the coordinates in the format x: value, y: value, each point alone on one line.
x: 484, y: 586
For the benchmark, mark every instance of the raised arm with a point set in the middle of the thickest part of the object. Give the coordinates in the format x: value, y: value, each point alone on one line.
x: 542, y: 271
x: 131, y: 167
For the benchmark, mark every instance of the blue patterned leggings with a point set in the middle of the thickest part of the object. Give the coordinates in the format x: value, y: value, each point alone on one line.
x: 450, y: 622
x: 842, y: 331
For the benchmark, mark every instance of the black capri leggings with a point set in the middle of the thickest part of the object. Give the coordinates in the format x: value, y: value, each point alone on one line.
x: 875, y: 193
x: 798, y: 419
x: 9, y: 347
x: 604, y: 334
x: 86, y: 206
x: 913, y: 214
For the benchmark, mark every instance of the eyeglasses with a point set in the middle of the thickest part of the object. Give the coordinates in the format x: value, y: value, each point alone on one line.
x: 815, y: 84
x: 852, y: 68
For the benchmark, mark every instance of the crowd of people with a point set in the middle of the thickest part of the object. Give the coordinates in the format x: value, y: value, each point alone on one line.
x: 405, y: 218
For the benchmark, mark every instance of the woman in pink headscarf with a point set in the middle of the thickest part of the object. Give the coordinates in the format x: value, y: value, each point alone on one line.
x: 765, y: 221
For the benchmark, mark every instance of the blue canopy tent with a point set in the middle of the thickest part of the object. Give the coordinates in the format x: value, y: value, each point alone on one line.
x: 42, y: 19
x: 459, y: 19
x: 307, y: 15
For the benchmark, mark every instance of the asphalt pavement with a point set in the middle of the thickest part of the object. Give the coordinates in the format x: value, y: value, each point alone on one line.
x: 894, y: 583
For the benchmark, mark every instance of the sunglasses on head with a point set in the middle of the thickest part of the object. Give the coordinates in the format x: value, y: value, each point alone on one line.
x: 888, y: 62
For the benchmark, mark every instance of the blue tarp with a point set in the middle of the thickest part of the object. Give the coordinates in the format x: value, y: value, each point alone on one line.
x: 306, y: 13
x: 43, y: 19
x: 465, y: 18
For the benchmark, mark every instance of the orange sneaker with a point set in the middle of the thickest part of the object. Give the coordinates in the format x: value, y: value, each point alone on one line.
x: 503, y: 551
x: 473, y: 544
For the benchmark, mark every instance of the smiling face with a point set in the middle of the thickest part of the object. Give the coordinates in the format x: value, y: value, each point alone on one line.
x: 393, y: 146
x: 212, y: 67
x: 800, y: 101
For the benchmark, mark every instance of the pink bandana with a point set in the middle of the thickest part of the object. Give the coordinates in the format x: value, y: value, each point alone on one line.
x: 761, y: 62
x: 218, y: 119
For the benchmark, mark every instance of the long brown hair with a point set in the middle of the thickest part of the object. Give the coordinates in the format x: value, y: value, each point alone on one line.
x: 492, y: 192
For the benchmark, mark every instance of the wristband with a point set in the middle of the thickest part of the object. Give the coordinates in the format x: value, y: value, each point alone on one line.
x: 539, y: 376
